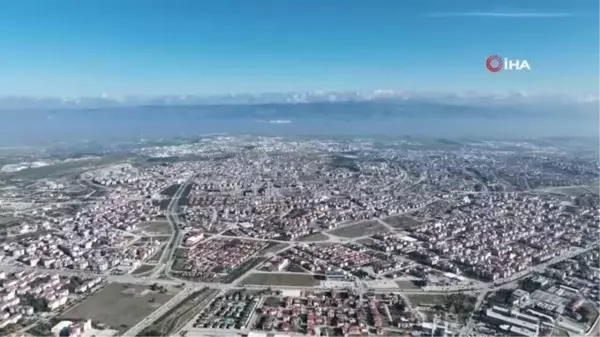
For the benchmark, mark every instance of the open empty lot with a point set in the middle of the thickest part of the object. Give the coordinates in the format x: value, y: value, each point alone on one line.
x: 9, y: 221
x: 120, y: 306
x: 155, y: 227
x: 408, y: 285
x: 365, y: 241
x: 427, y: 299
x: 362, y: 228
x: 273, y: 248
x: 281, y: 279
x: 558, y: 332
x: 144, y: 268
x: 314, y: 237
x: 171, y: 190
x: 595, y: 188
x: 571, y: 191
x: 401, y: 221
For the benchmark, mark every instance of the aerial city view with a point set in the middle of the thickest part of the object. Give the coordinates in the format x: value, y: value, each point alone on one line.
x: 199, y: 168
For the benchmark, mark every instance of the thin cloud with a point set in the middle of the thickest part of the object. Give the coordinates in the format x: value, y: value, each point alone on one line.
x: 539, y: 15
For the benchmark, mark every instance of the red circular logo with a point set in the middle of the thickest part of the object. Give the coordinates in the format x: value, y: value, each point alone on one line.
x: 494, y: 63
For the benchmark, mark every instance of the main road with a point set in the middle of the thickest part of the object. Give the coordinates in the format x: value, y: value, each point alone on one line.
x: 130, y: 279
x: 172, y: 214
x: 148, y: 320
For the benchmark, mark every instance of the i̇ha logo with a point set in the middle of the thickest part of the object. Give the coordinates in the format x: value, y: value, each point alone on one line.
x: 495, y: 63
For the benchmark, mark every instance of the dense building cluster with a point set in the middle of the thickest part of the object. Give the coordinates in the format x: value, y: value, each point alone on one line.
x: 496, y: 236
x: 340, y: 312
x: 216, y: 258
x: 24, y: 293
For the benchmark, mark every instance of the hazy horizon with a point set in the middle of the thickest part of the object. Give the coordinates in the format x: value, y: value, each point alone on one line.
x: 403, y: 118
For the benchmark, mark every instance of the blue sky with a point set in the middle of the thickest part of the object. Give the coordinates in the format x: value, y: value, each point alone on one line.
x: 149, y: 47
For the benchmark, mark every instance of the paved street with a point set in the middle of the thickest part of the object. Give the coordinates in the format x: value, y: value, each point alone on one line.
x: 173, y: 219
x: 146, y: 322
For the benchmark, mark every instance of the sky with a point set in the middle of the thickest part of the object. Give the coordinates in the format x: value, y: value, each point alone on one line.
x: 69, y: 48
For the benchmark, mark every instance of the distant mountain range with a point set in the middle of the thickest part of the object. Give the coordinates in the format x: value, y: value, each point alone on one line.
x: 105, y: 101
x: 26, y: 120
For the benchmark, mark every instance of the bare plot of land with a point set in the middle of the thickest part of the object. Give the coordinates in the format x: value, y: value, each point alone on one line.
x: 408, y: 285
x: 164, y: 204
x: 366, y: 241
x: 160, y: 238
x: 171, y: 190
x: 9, y: 221
x: 401, y: 221
x: 143, y: 269
x: 156, y: 227
x: 427, y: 299
x: 119, y: 306
x: 242, y: 269
x: 273, y: 248
x: 156, y: 256
x: 272, y: 301
x: 314, y: 237
x: 296, y: 268
x: 576, y: 191
x: 281, y: 279
x: 363, y: 228
x: 558, y: 332
x: 594, y: 188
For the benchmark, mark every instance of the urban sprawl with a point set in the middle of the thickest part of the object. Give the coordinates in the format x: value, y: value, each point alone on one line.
x: 272, y: 236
